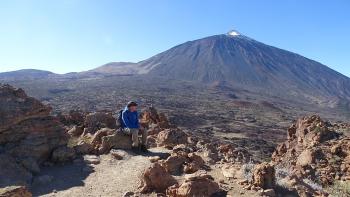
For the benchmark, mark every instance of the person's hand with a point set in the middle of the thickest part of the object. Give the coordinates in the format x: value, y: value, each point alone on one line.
x: 127, y: 131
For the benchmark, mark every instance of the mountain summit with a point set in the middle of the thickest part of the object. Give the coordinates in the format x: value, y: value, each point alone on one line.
x: 233, y: 33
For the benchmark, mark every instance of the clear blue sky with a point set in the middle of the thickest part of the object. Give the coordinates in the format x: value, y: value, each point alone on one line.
x: 75, y: 35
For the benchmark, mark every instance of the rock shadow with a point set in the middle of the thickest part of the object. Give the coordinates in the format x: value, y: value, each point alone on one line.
x: 63, y: 177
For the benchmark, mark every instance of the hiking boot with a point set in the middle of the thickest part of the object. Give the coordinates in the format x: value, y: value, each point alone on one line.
x: 144, y: 149
x: 135, y: 150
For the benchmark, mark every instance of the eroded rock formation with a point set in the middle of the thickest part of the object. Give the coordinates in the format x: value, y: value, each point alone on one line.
x: 28, y: 135
x: 313, y: 154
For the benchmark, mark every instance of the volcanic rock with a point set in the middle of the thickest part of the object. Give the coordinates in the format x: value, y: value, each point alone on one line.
x: 98, y: 120
x: 15, y: 191
x: 117, y: 140
x: 156, y: 178
x: 171, y: 137
x: 74, y: 117
x: 63, y: 154
x: 314, y: 151
x: 180, y: 161
x: 76, y: 131
x: 28, y: 134
x: 195, y: 185
x: 264, y: 176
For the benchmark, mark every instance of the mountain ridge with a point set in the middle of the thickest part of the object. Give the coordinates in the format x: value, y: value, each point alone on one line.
x: 234, y: 58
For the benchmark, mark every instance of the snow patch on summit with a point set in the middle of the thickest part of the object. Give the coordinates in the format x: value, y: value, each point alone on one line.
x: 233, y: 33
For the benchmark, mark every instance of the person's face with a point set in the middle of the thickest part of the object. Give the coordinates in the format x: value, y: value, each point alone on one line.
x: 133, y: 108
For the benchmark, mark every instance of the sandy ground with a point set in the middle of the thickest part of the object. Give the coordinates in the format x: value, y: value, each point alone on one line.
x: 110, y: 177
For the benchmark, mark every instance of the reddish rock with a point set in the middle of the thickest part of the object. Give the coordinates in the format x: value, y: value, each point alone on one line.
x: 171, y: 137
x: 195, y: 163
x: 63, y: 154
x: 264, y: 176
x: 98, y: 120
x: 174, y: 163
x: 156, y: 178
x: 307, y: 157
x: 314, y: 151
x: 195, y: 185
x: 27, y: 129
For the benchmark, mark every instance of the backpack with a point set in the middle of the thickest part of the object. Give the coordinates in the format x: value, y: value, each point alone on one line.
x: 119, y: 121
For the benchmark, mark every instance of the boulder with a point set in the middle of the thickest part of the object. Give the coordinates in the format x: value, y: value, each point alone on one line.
x: 195, y: 185
x: 314, y: 151
x: 264, y: 176
x: 179, y: 162
x: 28, y: 133
x: 306, y: 158
x: 156, y: 178
x: 194, y: 164
x: 74, y: 117
x: 76, y: 131
x: 97, y: 137
x: 83, y: 147
x: 16, y: 106
x: 174, y: 163
x: 171, y: 137
x: 63, y: 154
x: 117, y: 140
x: 98, y: 120
x: 103, y: 141
x: 15, y: 191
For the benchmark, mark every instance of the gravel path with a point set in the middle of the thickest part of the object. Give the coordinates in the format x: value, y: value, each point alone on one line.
x: 110, y: 177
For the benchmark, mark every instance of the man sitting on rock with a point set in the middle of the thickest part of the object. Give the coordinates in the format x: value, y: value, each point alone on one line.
x: 130, y: 125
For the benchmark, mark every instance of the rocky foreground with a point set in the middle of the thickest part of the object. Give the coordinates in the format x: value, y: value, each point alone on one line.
x: 38, y: 150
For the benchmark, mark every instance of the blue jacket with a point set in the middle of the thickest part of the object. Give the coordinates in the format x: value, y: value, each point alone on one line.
x: 130, y: 119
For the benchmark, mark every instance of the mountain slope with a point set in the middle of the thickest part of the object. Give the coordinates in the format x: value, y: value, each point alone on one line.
x: 247, y: 63
x: 25, y: 74
x: 118, y: 68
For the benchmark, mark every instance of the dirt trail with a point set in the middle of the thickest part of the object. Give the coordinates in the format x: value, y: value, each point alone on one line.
x: 110, y: 177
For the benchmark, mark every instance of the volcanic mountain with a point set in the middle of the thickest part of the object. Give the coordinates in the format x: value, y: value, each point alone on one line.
x: 229, y: 64
x: 244, y: 62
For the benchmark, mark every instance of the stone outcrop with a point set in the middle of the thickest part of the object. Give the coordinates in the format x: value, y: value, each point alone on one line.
x: 63, y: 154
x: 156, y: 178
x: 98, y: 120
x: 102, y: 141
x: 179, y: 162
x: 171, y: 137
x: 264, y: 176
x: 28, y: 133
x: 315, y: 152
x: 199, y: 184
x: 73, y: 117
x: 151, y: 117
x: 99, y: 131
